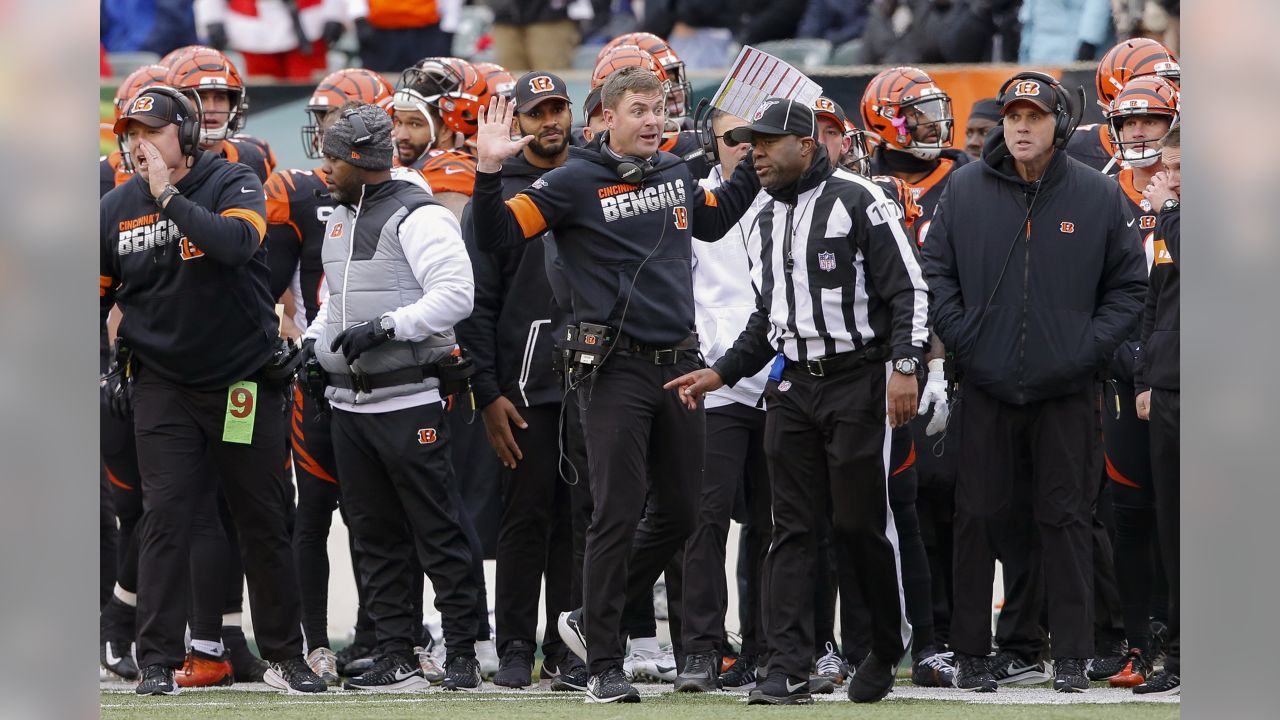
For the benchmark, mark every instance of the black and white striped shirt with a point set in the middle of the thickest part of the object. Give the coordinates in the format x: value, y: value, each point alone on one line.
x: 838, y: 273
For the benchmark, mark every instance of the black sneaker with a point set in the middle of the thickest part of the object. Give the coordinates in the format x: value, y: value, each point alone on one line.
x: 778, y: 689
x: 872, y: 681
x: 1069, y: 675
x: 1109, y: 662
x: 572, y: 632
x: 462, y: 672
x: 741, y: 675
x: 830, y: 667
x: 974, y: 674
x: 294, y: 676
x: 1164, y: 682
x: 354, y: 659
x: 611, y: 686
x: 700, y: 673
x: 1010, y: 668
x: 246, y: 666
x: 571, y: 675
x: 393, y: 672
x: 157, y: 680
x: 117, y: 656
x: 515, y: 670
x: 934, y: 670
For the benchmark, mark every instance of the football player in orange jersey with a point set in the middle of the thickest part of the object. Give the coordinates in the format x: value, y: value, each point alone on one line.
x: 1136, y: 57
x: 298, y: 207
x: 434, y: 114
x: 1138, y: 117
x: 214, y: 85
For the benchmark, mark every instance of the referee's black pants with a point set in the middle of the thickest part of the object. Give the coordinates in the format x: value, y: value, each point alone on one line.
x: 1166, y: 472
x: 1024, y: 495
x: 395, y: 474
x: 827, y: 444
x: 641, y: 442
x: 535, y: 538
x: 735, y: 456
x: 179, y: 432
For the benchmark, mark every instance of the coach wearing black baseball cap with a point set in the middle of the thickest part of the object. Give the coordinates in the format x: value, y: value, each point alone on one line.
x: 830, y: 239
x: 509, y: 336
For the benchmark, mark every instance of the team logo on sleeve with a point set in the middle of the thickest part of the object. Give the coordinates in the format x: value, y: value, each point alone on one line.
x: 336, y: 231
x: 826, y: 261
x: 541, y: 84
x: 1067, y: 227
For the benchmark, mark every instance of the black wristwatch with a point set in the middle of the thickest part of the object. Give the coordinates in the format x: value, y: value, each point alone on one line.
x: 1170, y: 204
x: 168, y: 192
x: 906, y: 366
x: 387, y: 326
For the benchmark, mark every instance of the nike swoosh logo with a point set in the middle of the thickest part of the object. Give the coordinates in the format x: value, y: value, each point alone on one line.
x: 453, y: 171
x: 402, y: 674
x: 792, y: 688
x: 1129, y: 224
x: 245, y: 190
x: 111, y: 657
x: 664, y: 668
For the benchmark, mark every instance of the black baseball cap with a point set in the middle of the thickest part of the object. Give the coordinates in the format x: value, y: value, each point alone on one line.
x: 826, y: 106
x: 1032, y: 90
x: 986, y: 109
x: 776, y: 116
x: 535, y: 87
x: 593, y: 102
x: 152, y: 109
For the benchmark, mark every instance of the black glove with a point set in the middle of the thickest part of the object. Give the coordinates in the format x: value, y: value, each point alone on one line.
x: 311, y: 378
x: 1087, y: 51
x: 365, y: 32
x: 217, y: 33
x: 116, y: 387
x: 358, y: 339
x: 332, y: 32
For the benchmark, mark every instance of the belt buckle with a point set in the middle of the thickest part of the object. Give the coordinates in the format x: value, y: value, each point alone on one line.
x: 814, y: 368
x: 664, y: 357
x: 360, y: 381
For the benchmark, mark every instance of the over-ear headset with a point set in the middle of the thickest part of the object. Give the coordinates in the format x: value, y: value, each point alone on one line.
x: 358, y: 128
x: 189, y: 129
x: 633, y: 170
x: 705, y: 134
x: 1065, y: 117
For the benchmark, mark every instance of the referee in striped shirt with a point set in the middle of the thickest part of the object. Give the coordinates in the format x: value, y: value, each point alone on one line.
x: 841, y: 295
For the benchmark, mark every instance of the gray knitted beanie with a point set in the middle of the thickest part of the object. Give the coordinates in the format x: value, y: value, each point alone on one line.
x: 362, y: 137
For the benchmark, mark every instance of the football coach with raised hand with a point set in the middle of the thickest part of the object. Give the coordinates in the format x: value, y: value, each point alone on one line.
x: 623, y: 216
x: 1035, y: 275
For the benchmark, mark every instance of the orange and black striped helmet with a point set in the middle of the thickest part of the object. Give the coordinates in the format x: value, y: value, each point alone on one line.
x: 335, y: 90
x: 135, y: 82
x: 450, y: 86
x: 1142, y: 96
x: 1130, y: 59
x: 203, y: 68
x: 175, y: 55
x: 681, y: 89
x: 628, y: 56
x: 901, y: 99
x: 500, y: 80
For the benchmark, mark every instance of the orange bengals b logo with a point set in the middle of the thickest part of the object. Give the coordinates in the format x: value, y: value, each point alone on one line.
x: 1027, y: 87
x: 1067, y: 227
x: 541, y: 84
x: 682, y: 217
x: 426, y: 436
x: 336, y: 231
x: 143, y: 104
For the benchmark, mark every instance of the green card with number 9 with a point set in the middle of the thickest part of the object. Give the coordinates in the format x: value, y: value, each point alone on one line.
x: 242, y: 407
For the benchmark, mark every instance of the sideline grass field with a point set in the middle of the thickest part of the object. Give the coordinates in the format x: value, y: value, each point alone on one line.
x: 907, y: 701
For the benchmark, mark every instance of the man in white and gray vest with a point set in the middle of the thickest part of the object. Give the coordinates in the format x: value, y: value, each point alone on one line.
x: 398, y: 279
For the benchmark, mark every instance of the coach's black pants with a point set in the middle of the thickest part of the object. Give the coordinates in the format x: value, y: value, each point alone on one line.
x: 641, y: 442
x: 827, y: 443
x: 396, y: 478
x: 1027, y: 484
x: 179, y: 434
x: 1166, y: 471
x: 735, y: 454
x: 535, y: 538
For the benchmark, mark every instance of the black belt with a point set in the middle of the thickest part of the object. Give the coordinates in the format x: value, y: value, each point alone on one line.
x: 657, y: 354
x: 840, y: 362
x: 361, y: 382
